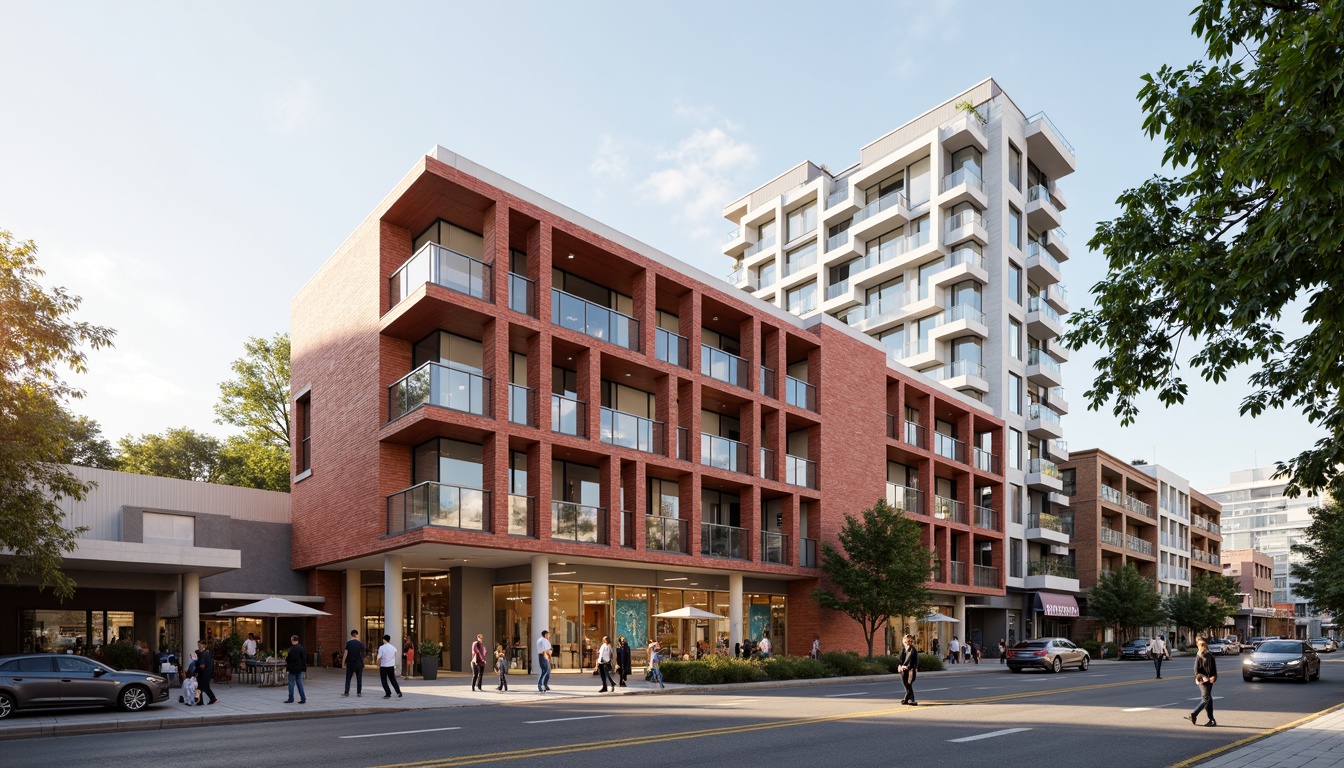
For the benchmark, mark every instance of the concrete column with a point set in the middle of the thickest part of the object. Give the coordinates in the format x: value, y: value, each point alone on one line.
x: 191, y: 615
x: 541, y: 600
x: 394, y: 603
x: 734, y: 609
x: 959, y: 613
x: 352, y: 611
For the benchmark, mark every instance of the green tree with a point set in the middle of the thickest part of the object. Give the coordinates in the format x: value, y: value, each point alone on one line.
x: 1321, y: 573
x: 87, y: 447
x: 1187, y: 610
x: 1205, y: 261
x: 250, y: 464
x: 1220, y: 593
x: 38, y: 341
x: 1125, y: 600
x: 182, y: 453
x: 882, y: 571
x: 257, y: 399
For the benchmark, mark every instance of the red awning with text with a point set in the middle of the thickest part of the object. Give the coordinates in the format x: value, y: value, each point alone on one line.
x: 1055, y: 604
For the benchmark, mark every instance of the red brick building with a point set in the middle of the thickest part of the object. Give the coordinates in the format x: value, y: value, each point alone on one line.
x: 498, y: 398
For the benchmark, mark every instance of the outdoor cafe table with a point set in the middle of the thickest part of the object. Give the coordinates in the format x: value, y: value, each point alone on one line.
x: 270, y: 672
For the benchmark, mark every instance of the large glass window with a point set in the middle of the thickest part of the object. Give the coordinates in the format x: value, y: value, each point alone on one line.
x: 451, y: 462
x: 765, y: 275
x: 664, y: 497
x: 920, y: 189
x: 1015, y: 394
x: 1015, y: 339
x: 802, y: 221
x: 576, y: 483
x: 1015, y: 284
x: 1014, y: 227
x: 449, y: 349
x: 1014, y: 167
x: 800, y: 258
x: 887, y: 297
x: 968, y: 158
x: 1014, y: 449
x: 803, y: 299
x: 894, y: 341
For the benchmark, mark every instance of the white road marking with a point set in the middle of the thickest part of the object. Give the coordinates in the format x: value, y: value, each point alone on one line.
x: 1155, y: 706
x: 731, y: 703
x: 989, y: 735
x: 986, y: 687
x: 566, y: 719
x: 930, y: 690
x: 1201, y: 698
x: 1103, y: 674
x: 838, y: 695
x: 400, y: 733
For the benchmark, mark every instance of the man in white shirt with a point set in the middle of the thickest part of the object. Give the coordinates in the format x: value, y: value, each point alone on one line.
x: 387, y: 667
x: 544, y: 662
x: 764, y: 646
x: 954, y: 650
x: 250, y: 646
x: 604, y: 665
x: 1158, y: 653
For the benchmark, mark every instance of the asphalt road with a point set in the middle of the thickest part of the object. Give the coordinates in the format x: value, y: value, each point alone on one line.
x: 1112, y: 715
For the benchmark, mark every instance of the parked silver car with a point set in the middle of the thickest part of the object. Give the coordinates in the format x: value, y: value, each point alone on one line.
x: 1323, y: 644
x: 1227, y: 646
x: 40, y: 680
x: 1293, y: 659
x: 1049, y: 653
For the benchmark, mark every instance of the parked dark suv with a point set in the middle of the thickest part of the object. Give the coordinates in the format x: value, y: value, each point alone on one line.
x: 41, y: 680
x: 1136, y: 649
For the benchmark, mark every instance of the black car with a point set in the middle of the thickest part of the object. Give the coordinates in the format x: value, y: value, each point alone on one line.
x: 1136, y: 649
x: 42, y: 680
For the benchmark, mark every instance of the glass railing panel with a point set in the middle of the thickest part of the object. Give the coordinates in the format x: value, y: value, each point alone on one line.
x: 1044, y: 467
x: 1037, y: 304
x: 967, y: 174
x: 722, y: 453
x: 1051, y: 522
x: 569, y: 416
x: 965, y: 219
x: 1112, y: 495
x: 578, y: 523
x: 723, y: 366
x: 442, y: 266
x: 440, y: 506
x: 909, y: 500
x: 1044, y: 119
x: 800, y: 471
x: 985, y: 576
x: 671, y: 348
x: 576, y: 314
x: 985, y: 460
x: 522, y: 403
x: 956, y: 572
x: 626, y: 430
x: 886, y: 202
x: 723, y: 541
x: 666, y: 534
x: 759, y: 246
x: 441, y: 385
x: 1050, y: 568
x: 985, y: 517
x: 1036, y: 411
x: 774, y: 547
x: 949, y: 447
x: 522, y: 294
x: 949, y: 509
x: 522, y: 516
x: 800, y: 393
x: 965, y: 256
x: 914, y: 434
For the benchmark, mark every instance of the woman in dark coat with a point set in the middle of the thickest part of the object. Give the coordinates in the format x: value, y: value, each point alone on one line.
x: 622, y: 661
x: 1206, y: 674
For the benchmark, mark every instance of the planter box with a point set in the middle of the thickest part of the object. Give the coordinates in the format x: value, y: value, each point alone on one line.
x: 429, y: 666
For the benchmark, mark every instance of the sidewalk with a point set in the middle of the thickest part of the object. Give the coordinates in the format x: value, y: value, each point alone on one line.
x: 246, y: 703
x: 1313, y: 741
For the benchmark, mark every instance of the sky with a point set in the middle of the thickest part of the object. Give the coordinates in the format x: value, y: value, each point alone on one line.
x: 186, y: 167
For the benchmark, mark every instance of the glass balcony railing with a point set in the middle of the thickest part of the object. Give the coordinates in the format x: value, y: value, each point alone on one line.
x: 799, y: 393
x: 956, y: 572
x: 440, y: 506
x: 838, y: 239
x: 965, y: 256
x: 768, y: 471
x: 1133, y: 504
x: 967, y: 174
x: 1040, y: 358
x: 949, y: 447
x: 576, y: 314
x: 1041, y: 117
x: 723, y: 541
x: 921, y: 346
x: 1044, y: 467
x: 836, y: 290
x: 724, y: 366
x: 807, y: 553
x: 774, y: 547
x: 522, y: 404
x: 985, y: 517
x: 963, y: 312
x: 914, y: 434
x: 579, y: 523
x: 666, y: 534
x: 908, y: 500
x: 1037, y: 304
x: 522, y: 294
x: 1038, y: 252
x: 1057, y: 292
x: 949, y: 509
x: 1051, y: 522
x: 671, y: 348
x: 1036, y: 411
x: 965, y: 219
x: 522, y: 516
x: 1042, y: 193
x: 733, y: 234
x: 986, y: 461
x: 722, y: 453
x: 837, y: 195
x: 441, y: 385
x: 758, y: 246
x: 1051, y: 568
x: 800, y: 262
x: 985, y: 576
x: 626, y: 430
x: 1112, y: 495
x: 1111, y: 536
x: 884, y: 203
x: 441, y: 266
x: 799, y: 471
x: 955, y: 369
x: 569, y: 416
x: 1138, y: 545
x: 767, y: 381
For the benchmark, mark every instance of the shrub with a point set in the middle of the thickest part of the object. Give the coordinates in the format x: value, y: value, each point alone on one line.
x: 890, y: 664
x: 713, y: 670
x: 844, y: 663
x: 795, y: 668
x: 930, y: 663
x: 122, y: 655
x: 1093, y: 647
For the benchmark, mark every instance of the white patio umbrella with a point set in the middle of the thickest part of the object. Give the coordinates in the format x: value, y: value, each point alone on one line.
x: 689, y: 612
x: 274, y: 607
x: 940, y: 618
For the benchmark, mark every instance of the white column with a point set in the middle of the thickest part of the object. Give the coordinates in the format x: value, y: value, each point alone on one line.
x: 353, y: 617
x: 734, y: 610
x: 959, y: 613
x: 541, y: 602
x: 394, y: 603
x: 191, y: 616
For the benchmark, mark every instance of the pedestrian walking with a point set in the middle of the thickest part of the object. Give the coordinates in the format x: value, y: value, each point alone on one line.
x: 954, y: 650
x: 352, y: 658
x: 907, y: 663
x: 478, y: 663
x: 622, y: 660
x: 544, y: 662
x: 502, y: 667
x: 1158, y: 652
x: 1206, y: 674
x: 655, y: 672
x: 975, y: 652
x: 408, y: 656
x: 191, y: 695
x: 816, y: 647
x: 296, y: 664
x: 604, y: 658
x: 205, y: 671
x: 935, y: 648
x: 1003, y: 647
x: 387, y: 668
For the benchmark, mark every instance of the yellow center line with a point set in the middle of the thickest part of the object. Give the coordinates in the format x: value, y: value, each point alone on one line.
x: 635, y: 741
x: 1186, y: 763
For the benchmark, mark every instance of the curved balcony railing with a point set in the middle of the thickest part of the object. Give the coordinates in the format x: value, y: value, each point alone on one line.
x: 965, y: 219
x: 579, y: 523
x: 599, y: 322
x: 1036, y: 411
x: 723, y: 541
x: 965, y: 255
x: 967, y: 174
x: 666, y: 534
x: 1037, y: 304
x: 441, y: 266
x: 432, y: 504
x: 441, y: 385
x: 1038, y: 252
x: 1040, y: 358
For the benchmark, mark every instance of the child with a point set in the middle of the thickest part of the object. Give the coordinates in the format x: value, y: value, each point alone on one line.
x: 502, y: 665
x: 190, y: 692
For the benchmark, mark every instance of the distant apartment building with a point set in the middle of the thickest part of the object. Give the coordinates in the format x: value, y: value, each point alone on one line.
x: 1254, y: 573
x: 1142, y: 515
x: 944, y: 243
x: 1258, y: 515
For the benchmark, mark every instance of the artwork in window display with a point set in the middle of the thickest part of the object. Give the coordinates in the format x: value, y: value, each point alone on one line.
x: 758, y: 621
x: 632, y: 621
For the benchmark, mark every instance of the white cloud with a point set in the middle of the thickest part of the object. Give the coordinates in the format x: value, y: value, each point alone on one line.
x: 294, y: 109
x: 609, y: 161
x: 703, y: 172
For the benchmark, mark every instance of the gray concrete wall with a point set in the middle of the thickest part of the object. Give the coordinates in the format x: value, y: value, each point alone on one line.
x: 472, y: 608
x: 266, y: 558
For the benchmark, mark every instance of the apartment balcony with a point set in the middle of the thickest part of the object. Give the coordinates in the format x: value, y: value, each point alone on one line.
x: 807, y: 552
x: 1057, y: 401
x: 1044, y: 475
x: 722, y: 453
x: 964, y: 185
x: 965, y: 226
x: 1043, y: 321
x: 842, y: 246
x: 767, y: 469
x: 1109, y: 494
x: 985, y: 517
x: 950, y: 509
x: 841, y: 203
x: 725, y: 541
x: 671, y: 348
x: 736, y: 241
x: 1042, y: 211
x: 522, y: 295
x: 1043, y: 370
x: 1042, y: 268
x: 1060, y: 498
x: 1043, y: 422
x: 800, y: 394
x: 799, y: 471
x: 1047, y: 147
x: 919, y: 353
x: 522, y: 515
x: 666, y: 534
x: 883, y: 214
x: 908, y: 500
x: 1212, y: 559
x: 962, y: 263
x: 963, y: 374
x: 443, y: 386
x: 569, y: 416
x: 1056, y: 244
x: 774, y: 547
x: 1045, y: 528
x: 1058, y: 450
x: 1135, y: 544
x: 435, y: 505
x: 522, y: 405
x: 578, y: 523
x: 1050, y: 576
x: 949, y: 447
x: 626, y: 430
x: 1058, y: 351
x: 958, y: 573
x: 985, y: 576
x: 761, y: 250
x: 960, y: 320
x: 985, y: 461
x: 965, y: 131
x: 1133, y: 504
x: 436, y: 265
x: 1058, y: 297
x: 913, y: 434
x: 595, y: 321
x: 724, y: 366
x: 1111, y: 537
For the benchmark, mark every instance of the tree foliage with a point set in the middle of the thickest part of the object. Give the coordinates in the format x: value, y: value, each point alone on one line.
x: 881, y: 572
x: 257, y: 400
x: 86, y: 445
x: 1321, y: 572
x: 1125, y: 600
x: 1204, y: 263
x: 1205, y: 607
x: 250, y: 464
x: 39, y: 341
x: 180, y: 452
